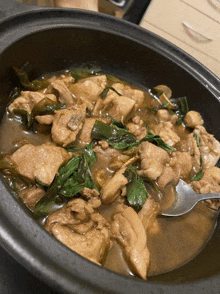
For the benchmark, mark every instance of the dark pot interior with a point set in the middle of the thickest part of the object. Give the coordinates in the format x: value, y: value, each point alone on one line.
x: 53, y: 40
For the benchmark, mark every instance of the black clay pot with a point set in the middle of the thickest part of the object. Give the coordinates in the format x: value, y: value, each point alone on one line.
x: 55, y: 39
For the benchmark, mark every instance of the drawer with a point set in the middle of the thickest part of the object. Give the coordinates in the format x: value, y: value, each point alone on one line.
x: 208, y: 61
x: 211, y: 8
x: 187, y: 25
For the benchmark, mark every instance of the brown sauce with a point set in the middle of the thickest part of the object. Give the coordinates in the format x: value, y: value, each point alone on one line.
x: 173, y: 243
x: 13, y: 135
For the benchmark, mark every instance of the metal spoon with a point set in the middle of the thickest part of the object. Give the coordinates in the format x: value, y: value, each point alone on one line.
x: 186, y: 199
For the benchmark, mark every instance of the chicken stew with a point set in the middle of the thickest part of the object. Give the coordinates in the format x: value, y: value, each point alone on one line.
x: 96, y: 160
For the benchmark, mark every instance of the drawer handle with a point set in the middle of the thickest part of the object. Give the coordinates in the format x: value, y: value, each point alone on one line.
x: 196, y: 34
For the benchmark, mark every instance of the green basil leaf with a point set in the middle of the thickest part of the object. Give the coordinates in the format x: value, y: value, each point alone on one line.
x: 40, y: 182
x: 183, y: 105
x: 72, y: 186
x: 49, y: 199
x: 43, y: 107
x: 181, y: 108
x: 46, y: 106
x: 122, y: 139
x: 135, y: 188
x: 197, y: 140
x: 115, y: 136
x: 35, y: 85
x: 26, y: 118
x: 115, y: 79
x: 81, y: 73
x: 85, y: 173
x: 90, y: 154
x: 198, y: 176
x: 156, y: 139
x: 67, y: 170
x: 71, y: 179
x: 106, y: 90
x: 160, y: 143
x: 119, y: 124
x: 156, y: 92
x: 46, y: 205
x: 162, y: 106
x: 15, y: 93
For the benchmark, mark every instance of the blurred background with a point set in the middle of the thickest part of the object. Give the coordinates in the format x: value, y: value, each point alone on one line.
x: 95, y: 5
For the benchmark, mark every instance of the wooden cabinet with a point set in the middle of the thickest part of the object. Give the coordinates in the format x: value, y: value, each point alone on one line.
x: 211, y: 8
x: 192, y: 25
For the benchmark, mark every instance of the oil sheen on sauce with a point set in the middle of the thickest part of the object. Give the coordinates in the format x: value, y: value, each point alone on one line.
x: 172, y: 243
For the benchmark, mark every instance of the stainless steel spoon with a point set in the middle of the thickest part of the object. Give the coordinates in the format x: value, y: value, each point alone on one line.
x: 186, y: 199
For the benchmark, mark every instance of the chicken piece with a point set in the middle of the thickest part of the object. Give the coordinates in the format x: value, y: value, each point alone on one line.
x: 164, y: 115
x: 165, y: 131
x: 62, y: 91
x: 67, y: 123
x: 209, y: 147
x: 153, y: 160
x: 31, y: 196
x: 181, y: 162
x: 196, y: 164
x: 118, y: 161
x: 209, y: 183
x: 28, y: 100
x: 193, y: 119
x: 190, y: 146
x: 168, y: 176
x: 67, y: 79
x: 148, y: 215
x: 118, y: 107
x: 92, y: 195
x: 79, y: 215
x: 89, y: 89
x: 136, y: 95
x: 41, y: 162
x: 127, y: 91
x: 93, y: 245
x: 85, y: 134
x: 104, y: 156
x: 213, y: 172
x: 45, y: 119
x: 137, y: 127
x: 81, y: 228
x: 129, y: 231
x: 113, y: 187
x: 76, y: 213
x: 104, y: 145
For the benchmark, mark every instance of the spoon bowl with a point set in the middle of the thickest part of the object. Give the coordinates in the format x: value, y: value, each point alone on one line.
x: 186, y: 199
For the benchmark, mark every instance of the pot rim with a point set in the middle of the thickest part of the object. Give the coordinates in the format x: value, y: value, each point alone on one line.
x: 24, y: 238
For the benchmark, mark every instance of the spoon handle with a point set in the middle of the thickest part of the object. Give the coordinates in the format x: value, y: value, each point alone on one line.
x: 209, y: 196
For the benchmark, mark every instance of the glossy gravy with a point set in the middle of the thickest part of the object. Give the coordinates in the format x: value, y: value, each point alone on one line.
x: 176, y: 241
